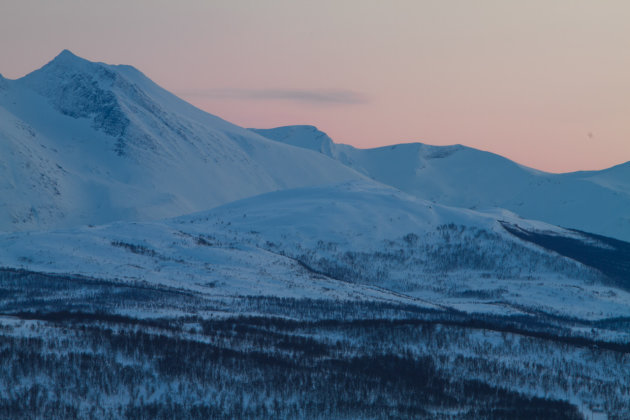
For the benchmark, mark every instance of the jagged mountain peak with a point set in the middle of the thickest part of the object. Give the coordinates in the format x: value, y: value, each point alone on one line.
x: 65, y: 65
x: 68, y: 70
x: 116, y: 98
x: 79, y: 88
x: 84, y: 142
x: 67, y: 56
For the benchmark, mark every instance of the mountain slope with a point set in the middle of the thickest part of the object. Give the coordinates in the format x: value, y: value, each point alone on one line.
x: 335, y: 280
x: 356, y: 240
x: 88, y: 143
x: 597, y: 201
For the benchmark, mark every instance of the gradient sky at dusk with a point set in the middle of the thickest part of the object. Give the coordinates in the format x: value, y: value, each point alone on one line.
x: 545, y: 83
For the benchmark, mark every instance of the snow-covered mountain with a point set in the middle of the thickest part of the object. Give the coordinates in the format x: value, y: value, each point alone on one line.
x: 308, y: 279
x: 593, y: 201
x: 89, y: 143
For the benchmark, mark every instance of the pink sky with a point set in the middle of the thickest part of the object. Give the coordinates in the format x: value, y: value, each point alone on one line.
x: 545, y: 83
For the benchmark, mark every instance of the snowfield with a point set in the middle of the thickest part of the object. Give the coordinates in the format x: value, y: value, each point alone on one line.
x: 354, y: 240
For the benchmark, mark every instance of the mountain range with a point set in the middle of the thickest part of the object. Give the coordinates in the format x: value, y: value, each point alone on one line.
x: 593, y: 201
x: 88, y: 144
x: 169, y: 264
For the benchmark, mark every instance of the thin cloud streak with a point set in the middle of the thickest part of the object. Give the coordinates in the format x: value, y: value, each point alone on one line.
x: 316, y: 97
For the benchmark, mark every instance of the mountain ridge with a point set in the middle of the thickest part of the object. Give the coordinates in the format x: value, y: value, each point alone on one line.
x: 456, y: 175
x: 294, y: 134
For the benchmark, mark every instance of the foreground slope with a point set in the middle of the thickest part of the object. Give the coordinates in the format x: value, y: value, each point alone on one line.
x: 354, y: 239
x: 87, y: 143
x: 593, y: 201
x: 346, y: 301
